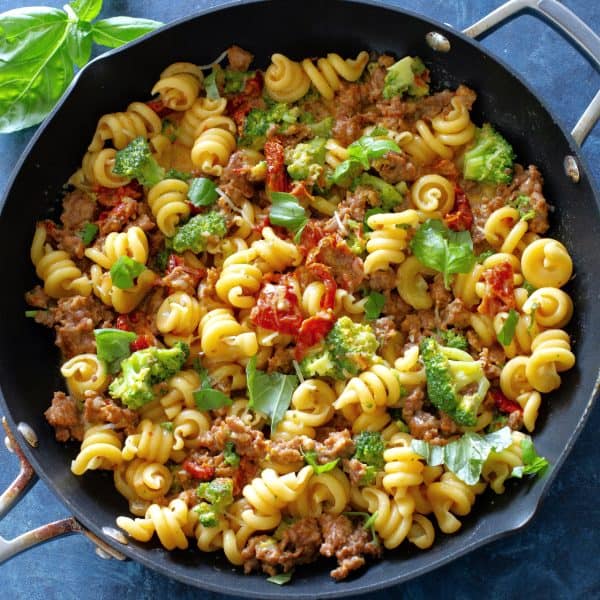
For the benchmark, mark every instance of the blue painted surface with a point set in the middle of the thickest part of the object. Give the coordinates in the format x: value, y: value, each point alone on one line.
x: 556, y: 556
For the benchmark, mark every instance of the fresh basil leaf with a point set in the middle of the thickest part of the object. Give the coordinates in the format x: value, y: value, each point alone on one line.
x: 369, y: 148
x: 209, y: 399
x: 466, y: 456
x: 368, y: 213
x: 369, y: 522
x: 31, y: 314
x: 281, y: 578
x: 374, y: 305
x: 86, y: 10
x: 533, y: 463
x: 124, y: 272
x: 310, y: 456
x: 287, y: 212
x: 269, y: 393
x: 36, y: 64
x: 528, y: 287
x: 116, y: 31
x: 88, y: 233
x: 346, y: 172
x: 79, y: 43
x: 167, y: 426
x: 506, y: 334
x: 439, y: 248
x: 210, y: 85
x: 202, y: 192
x: 112, y: 346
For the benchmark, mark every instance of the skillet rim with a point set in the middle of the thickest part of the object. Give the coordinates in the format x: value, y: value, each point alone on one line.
x: 138, y: 553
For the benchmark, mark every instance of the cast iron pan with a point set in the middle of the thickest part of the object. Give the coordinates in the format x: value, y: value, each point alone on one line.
x: 29, y: 360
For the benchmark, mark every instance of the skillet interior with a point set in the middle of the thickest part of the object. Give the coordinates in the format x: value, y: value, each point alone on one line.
x: 112, y: 82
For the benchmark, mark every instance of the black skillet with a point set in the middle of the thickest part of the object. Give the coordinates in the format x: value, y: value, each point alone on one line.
x: 28, y: 358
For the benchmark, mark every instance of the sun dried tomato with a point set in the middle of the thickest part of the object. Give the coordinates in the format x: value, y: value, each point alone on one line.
x: 277, y: 177
x: 503, y: 404
x: 113, y: 196
x: 123, y: 323
x: 201, y: 472
x: 277, y: 307
x: 141, y: 342
x: 312, y: 331
x: 499, y: 289
x: 159, y: 108
x: 311, y: 235
x: 461, y: 218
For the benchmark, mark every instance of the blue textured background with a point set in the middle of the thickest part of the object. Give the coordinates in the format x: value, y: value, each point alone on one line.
x: 555, y: 556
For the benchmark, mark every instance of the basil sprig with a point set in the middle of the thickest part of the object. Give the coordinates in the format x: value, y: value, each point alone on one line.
x: 442, y: 249
x: 40, y: 49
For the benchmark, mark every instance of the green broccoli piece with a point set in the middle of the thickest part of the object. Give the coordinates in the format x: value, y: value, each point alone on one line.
x: 348, y: 348
x: 404, y: 76
x: 230, y: 456
x: 305, y: 161
x: 195, y: 233
x: 258, y: 122
x: 355, y: 239
x: 490, y: 160
x: 322, y: 128
x: 389, y: 195
x: 136, y: 161
x: 454, y: 385
x: 217, y: 495
x: 234, y: 81
x: 144, y: 368
x: 452, y: 339
x: 369, y: 451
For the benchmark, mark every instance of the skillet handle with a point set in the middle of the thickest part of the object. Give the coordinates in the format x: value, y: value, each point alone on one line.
x: 567, y: 21
x: 15, y: 491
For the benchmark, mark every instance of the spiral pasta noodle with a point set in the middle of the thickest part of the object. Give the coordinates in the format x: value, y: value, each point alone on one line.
x: 84, y: 372
x: 100, y: 449
x: 432, y: 193
x: 59, y: 273
x: 132, y: 243
x: 151, y: 442
x: 201, y: 109
x: 179, y: 85
x: 285, y: 79
x: 325, y: 75
x: 223, y: 338
x: 97, y: 168
x: 212, y: 149
x: 123, y: 127
x: 168, y: 202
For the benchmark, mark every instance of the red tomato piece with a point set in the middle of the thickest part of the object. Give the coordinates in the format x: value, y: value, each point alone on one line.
x: 159, y: 108
x: 323, y: 273
x: 277, y: 307
x: 277, y: 178
x: 461, y: 218
x: 503, y: 404
x: 141, y: 342
x: 312, y: 331
x: 201, y: 472
x: 499, y: 289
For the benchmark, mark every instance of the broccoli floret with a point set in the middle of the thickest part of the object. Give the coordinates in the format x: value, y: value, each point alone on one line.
x: 142, y: 369
x: 348, y: 348
x: 234, y: 81
x: 456, y: 384
x: 218, y: 495
x: 322, y: 128
x: 195, y: 233
x: 454, y: 340
x: 258, y: 122
x: 369, y: 451
x: 405, y: 76
x: 490, y: 160
x: 136, y: 161
x: 355, y: 240
x: 389, y: 195
x: 305, y: 161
